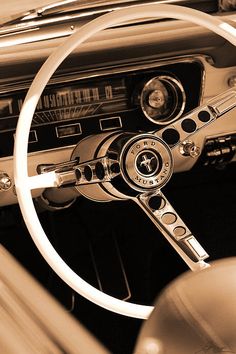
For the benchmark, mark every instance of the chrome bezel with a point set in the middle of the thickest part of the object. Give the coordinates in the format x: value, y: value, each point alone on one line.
x: 175, y: 85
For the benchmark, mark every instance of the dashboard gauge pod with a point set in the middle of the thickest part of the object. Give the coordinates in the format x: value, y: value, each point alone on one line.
x: 162, y: 99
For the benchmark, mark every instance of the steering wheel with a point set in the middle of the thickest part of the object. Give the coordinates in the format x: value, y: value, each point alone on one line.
x: 123, y: 165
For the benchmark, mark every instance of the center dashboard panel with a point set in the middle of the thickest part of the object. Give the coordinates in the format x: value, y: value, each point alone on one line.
x: 140, y: 98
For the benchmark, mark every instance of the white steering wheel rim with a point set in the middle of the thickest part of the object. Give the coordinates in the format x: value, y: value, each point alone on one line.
x: 23, y: 186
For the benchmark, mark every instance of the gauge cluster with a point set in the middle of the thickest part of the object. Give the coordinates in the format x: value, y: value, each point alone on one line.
x: 163, y: 99
x: 133, y: 99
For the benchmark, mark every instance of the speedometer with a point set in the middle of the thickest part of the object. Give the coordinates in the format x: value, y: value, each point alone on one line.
x: 163, y: 99
x: 61, y: 103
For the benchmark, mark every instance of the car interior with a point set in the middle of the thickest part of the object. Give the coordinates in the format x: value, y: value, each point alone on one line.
x: 117, y: 176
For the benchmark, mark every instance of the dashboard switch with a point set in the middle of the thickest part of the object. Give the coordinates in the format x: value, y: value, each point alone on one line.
x: 188, y: 148
x: 5, y: 182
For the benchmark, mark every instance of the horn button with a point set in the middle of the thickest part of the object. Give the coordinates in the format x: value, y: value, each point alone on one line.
x: 146, y: 162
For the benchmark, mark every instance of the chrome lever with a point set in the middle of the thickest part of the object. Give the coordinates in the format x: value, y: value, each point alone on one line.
x: 73, y: 173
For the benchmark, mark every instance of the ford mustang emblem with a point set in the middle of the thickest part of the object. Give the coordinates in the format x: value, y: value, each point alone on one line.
x: 147, y: 163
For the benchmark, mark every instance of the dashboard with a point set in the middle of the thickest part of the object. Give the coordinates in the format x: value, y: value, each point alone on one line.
x: 101, y: 125
x: 104, y: 86
x: 136, y: 98
x: 132, y: 100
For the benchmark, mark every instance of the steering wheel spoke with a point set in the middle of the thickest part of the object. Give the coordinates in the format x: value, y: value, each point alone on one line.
x: 73, y: 173
x: 166, y: 219
x: 179, y: 132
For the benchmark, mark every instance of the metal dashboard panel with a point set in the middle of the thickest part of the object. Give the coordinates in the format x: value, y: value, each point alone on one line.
x: 96, y: 58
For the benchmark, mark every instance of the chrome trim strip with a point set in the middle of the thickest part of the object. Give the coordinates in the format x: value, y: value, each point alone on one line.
x: 85, y: 9
x: 63, y: 22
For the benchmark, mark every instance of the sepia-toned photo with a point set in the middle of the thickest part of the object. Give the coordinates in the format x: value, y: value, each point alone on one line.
x: 118, y: 177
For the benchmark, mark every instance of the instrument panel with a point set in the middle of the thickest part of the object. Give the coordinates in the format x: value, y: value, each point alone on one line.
x: 136, y: 100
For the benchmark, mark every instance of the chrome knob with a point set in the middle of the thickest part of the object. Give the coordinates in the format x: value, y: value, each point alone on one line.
x: 232, y: 81
x: 5, y: 182
x: 188, y: 148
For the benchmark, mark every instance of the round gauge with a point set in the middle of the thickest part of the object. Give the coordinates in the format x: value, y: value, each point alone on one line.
x: 162, y: 99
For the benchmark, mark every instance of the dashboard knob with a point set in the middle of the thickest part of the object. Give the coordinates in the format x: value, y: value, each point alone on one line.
x: 188, y: 148
x: 232, y: 81
x: 5, y: 182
